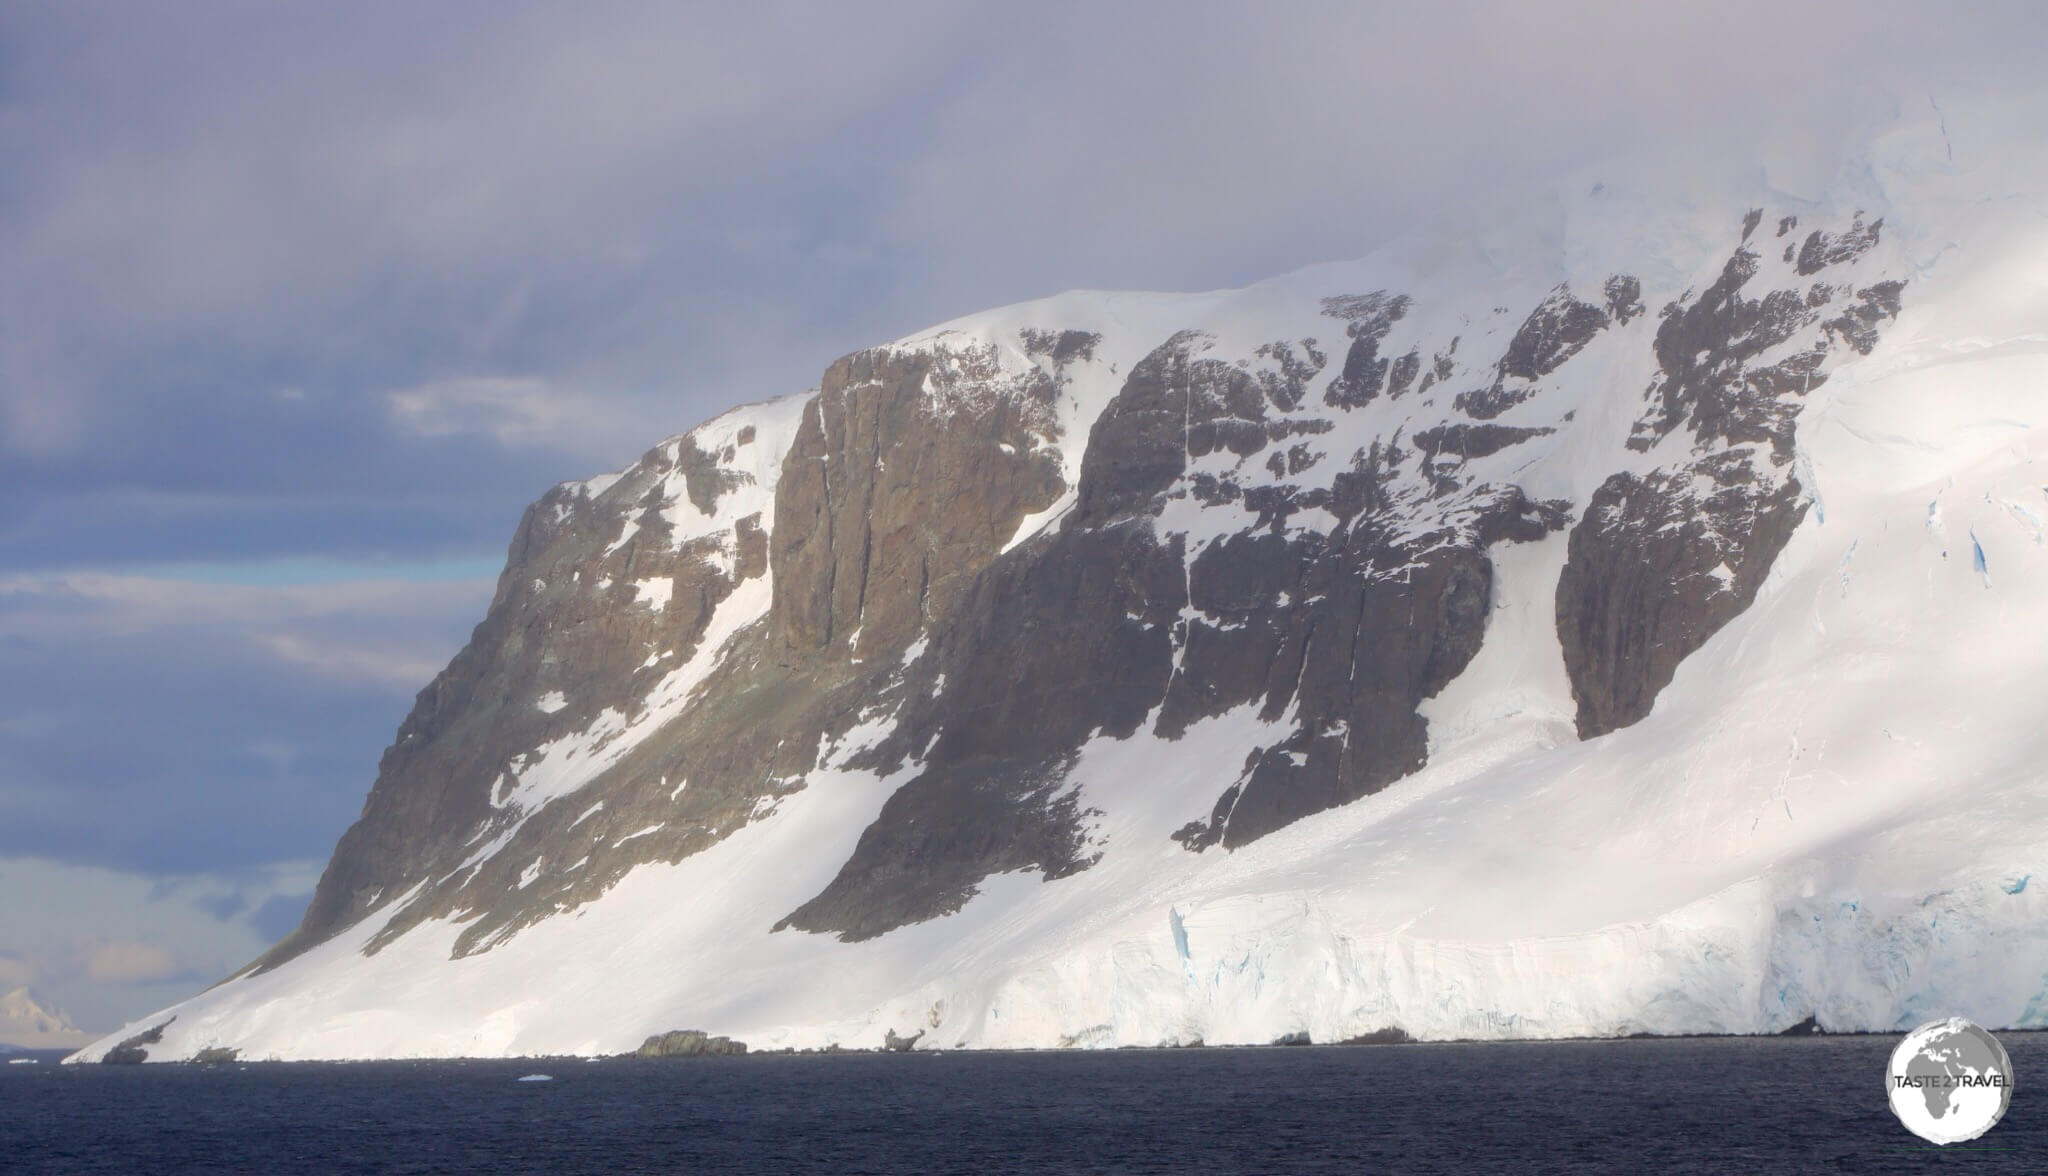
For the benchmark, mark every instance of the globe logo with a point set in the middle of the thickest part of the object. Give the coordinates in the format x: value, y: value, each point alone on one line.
x: 1949, y: 1081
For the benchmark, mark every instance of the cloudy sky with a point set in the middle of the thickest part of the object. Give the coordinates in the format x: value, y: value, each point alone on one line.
x: 300, y: 303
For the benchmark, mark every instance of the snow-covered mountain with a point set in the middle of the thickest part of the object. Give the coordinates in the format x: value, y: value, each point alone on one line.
x: 1621, y: 616
x: 26, y: 1024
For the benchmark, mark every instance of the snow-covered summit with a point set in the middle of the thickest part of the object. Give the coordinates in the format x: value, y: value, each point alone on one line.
x: 1615, y: 616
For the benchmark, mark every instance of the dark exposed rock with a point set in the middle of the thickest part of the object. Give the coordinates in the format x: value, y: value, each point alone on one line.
x: 564, y: 619
x: 901, y: 484
x: 1467, y: 441
x: 1173, y: 405
x: 1087, y: 631
x: 216, y: 1055
x: 1653, y: 572
x: 497, y: 713
x: 1403, y: 374
x: 1294, y: 366
x: 895, y: 1044
x: 689, y: 1043
x: 1660, y: 562
x: 1389, y: 625
x: 133, y: 1051
x: 1822, y: 250
x: 1704, y: 380
x: 1295, y: 461
x: 1858, y: 322
x: 876, y: 522
x: 1336, y: 596
x: 1298, y: 1037
x: 934, y: 460
x: 1368, y: 318
x: 1392, y: 1035
x: 1810, y: 1027
x: 1624, y: 297
x: 1067, y: 636
x: 1366, y: 486
x: 1442, y: 367
x: 704, y: 480
x: 1556, y: 330
x: 939, y: 836
x: 1061, y: 347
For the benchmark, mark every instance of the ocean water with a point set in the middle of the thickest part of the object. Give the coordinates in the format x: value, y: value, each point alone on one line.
x: 1640, y: 1106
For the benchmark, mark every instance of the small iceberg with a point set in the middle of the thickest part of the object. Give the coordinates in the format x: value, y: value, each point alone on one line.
x: 538, y: 1078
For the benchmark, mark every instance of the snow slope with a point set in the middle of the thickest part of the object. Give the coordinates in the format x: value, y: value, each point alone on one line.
x: 1836, y: 809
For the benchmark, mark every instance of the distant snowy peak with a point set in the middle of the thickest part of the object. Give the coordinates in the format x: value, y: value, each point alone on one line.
x: 26, y: 1024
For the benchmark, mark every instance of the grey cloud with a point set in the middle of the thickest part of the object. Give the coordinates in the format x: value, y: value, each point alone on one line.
x: 222, y: 906
x: 108, y: 945
x: 303, y: 179
x: 1240, y: 142
x: 125, y: 740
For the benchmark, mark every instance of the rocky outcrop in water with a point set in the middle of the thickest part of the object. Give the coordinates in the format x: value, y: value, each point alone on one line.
x: 133, y: 1051
x: 689, y: 1043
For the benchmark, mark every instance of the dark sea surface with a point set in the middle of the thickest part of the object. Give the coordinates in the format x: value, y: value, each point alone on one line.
x: 1640, y: 1106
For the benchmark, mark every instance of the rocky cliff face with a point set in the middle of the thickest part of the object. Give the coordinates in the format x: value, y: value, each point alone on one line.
x: 609, y: 585
x: 1662, y: 558
x: 1564, y: 627
x: 968, y: 555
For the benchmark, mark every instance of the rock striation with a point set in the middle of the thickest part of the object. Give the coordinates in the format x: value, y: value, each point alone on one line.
x: 967, y: 557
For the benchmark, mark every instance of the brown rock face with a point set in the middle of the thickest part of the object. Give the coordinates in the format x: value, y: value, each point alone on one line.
x: 906, y: 475
x: 1659, y: 563
x: 911, y: 469
x: 574, y: 616
x: 1559, y: 328
x: 1107, y: 622
x: 1653, y: 572
x: 672, y: 653
x: 1367, y: 319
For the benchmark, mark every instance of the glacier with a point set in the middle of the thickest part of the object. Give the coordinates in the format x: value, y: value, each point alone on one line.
x: 1832, y: 811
